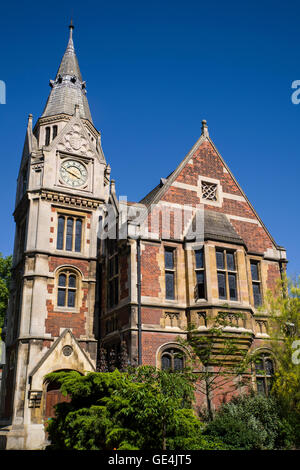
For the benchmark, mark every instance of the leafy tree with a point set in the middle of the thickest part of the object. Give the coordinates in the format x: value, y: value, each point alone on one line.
x: 219, y: 355
x: 141, y: 409
x: 283, y: 307
x: 5, y: 275
x: 250, y: 422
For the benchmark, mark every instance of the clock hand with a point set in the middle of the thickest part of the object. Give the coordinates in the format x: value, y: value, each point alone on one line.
x: 72, y: 173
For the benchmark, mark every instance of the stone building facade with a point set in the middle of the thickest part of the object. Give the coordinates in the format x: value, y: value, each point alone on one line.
x: 91, y: 271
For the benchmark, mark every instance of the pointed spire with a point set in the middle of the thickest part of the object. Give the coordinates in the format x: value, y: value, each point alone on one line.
x: 68, y: 89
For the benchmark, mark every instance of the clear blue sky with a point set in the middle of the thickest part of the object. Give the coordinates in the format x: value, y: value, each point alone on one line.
x: 154, y: 70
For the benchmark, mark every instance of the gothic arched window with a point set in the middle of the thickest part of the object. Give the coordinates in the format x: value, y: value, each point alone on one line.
x: 67, y: 289
x: 172, y: 359
x: 264, y: 372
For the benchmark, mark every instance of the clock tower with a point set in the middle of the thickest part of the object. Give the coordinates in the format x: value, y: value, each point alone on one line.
x: 51, y: 321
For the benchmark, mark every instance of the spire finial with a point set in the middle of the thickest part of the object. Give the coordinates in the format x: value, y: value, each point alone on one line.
x: 71, y: 27
x: 204, y: 128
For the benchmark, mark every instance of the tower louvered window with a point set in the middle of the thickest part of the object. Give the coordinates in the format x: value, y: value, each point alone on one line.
x: 47, y: 136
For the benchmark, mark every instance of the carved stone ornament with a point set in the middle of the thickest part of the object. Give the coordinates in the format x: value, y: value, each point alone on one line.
x: 75, y: 141
x: 67, y: 350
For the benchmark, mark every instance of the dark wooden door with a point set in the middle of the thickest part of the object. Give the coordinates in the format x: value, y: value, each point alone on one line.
x: 53, y: 397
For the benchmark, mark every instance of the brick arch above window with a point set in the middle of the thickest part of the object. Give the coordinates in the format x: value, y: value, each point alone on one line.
x: 172, y: 351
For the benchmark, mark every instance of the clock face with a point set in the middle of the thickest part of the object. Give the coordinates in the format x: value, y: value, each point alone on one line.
x: 73, y: 173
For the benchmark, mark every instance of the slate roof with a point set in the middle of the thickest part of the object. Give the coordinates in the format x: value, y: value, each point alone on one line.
x: 68, y: 88
x: 216, y: 227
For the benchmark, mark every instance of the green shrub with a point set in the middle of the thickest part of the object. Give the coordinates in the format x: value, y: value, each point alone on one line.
x: 142, y: 410
x: 250, y: 422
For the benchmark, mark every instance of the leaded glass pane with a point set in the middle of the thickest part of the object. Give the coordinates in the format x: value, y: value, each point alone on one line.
x: 61, y: 297
x: 60, y: 233
x: 254, y: 271
x: 170, y: 286
x: 259, y: 366
x: 72, y: 281
x: 232, y: 286
x: 71, y: 298
x: 199, y: 258
x: 178, y: 363
x: 165, y: 362
x: 69, y: 237
x: 62, y: 280
x: 256, y: 294
x: 269, y: 367
x: 230, y: 262
x: 200, y: 284
x: 169, y: 259
x: 220, y: 259
x: 78, y: 231
x: 260, y: 382
x: 222, y: 286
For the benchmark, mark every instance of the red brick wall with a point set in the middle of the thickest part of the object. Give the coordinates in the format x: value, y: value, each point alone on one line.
x: 151, y: 316
x: 75, y: 320
x: 151, y: 342
x: 150, y: 271
x: 273, y: 276
x: 207, y: 163
x: 57, y: 261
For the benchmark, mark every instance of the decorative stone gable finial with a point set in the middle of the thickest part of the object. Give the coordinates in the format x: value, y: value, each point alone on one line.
x: 204, y: 129
x: 113, y: 187
x: 29, y: 124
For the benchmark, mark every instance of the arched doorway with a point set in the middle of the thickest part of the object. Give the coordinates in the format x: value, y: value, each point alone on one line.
x: 53, y: 397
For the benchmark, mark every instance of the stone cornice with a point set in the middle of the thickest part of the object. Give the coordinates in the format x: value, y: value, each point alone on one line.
x: 69, y: 199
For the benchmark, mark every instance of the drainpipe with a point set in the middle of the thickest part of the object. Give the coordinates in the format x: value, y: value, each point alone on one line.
x: 98, y: 295
x: 138, y: 249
